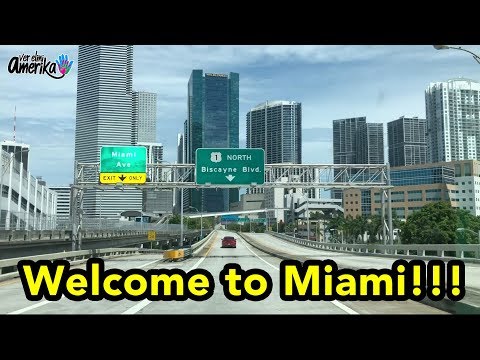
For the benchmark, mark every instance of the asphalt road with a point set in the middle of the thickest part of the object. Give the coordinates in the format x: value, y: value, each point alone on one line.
x: 212, y: 258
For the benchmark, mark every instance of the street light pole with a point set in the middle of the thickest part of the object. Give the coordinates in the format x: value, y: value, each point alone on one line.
x: 181, y: 218
x: 100, y: 222
x: 444, y: 47
x: 308, y: 216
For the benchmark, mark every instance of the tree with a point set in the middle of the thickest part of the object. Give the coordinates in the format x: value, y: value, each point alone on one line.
x: 335, y: 226
x: 233, y: 227
x: 289, y: 227
x: 175, y: 219
x: 374, y: 227
x: 435, y: 223
x: 472, y: 225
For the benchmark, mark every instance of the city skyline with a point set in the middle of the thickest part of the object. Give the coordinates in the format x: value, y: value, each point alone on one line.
x: 381, y: 83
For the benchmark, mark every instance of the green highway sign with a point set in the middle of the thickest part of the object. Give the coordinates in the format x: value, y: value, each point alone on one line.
x: 229, y: 166
x: 123, y: 159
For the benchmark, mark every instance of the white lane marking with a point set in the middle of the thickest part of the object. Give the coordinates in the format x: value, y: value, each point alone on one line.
x: 149, y: 263
x: 265, y: 261
x: 45, y: 302
x: 334, y: 302
x: 137, y: 307
x: 28, y: 308
x: 344, y: 307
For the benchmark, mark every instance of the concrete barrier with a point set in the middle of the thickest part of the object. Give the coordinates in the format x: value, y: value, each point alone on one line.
x: 465, y: 252
x: 8, y: 267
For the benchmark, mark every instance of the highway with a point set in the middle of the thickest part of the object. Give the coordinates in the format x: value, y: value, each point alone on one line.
x: 212, y: 258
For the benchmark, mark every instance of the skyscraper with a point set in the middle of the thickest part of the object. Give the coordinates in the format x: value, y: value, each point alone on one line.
x: 62, y: 204
x: 345, y: 140
x: 276, y: 127
x: 345, y: 144
x: 453, y: 120
x: 104, y: 117
x: 144, y: 133
x: 369, y: 144
x: 213, y: 122
x: 144, y: 119
x: 407, y: 143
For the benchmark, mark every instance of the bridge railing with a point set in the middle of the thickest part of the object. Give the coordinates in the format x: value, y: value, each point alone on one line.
x: 66, y: 235
x: 8, y: 267
x: 460, y: 251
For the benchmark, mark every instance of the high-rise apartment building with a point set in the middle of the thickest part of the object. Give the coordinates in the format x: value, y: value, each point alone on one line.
x: 213, y: 122
x: 144, y: 117
x: 370, y: 149
x: 104, y: 118
x: 453, y: 120
x: 345, y: 139
x: 276, y: 127
x: 407, y: 142
x: 356, y: 142
x: 62, y: 204
x: 345, y: 144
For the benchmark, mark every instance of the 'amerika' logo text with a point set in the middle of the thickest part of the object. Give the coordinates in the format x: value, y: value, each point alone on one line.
x: 38, y: 64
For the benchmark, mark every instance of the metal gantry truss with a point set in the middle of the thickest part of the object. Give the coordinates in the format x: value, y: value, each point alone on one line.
x: 323, y: 176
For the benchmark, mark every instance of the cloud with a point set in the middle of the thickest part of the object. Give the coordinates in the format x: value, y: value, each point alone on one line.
x: 331, y: 81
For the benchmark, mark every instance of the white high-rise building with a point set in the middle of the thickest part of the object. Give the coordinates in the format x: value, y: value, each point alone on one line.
x: 144, y: 120
x: 25, y: 201
x: 276, y: 127
x: 453, y: 120
x: 104, y: 118
x: 62, y: 204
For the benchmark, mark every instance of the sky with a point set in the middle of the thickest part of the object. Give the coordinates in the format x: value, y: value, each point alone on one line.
x: 381, y: 82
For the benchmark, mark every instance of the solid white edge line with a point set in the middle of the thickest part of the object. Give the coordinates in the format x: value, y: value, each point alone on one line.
x: 344, y: 307
x: 28, y: 308
x: 334, y: 302
x: 265, y: 261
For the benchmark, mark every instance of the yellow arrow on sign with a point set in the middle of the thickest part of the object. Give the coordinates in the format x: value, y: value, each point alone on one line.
x: 125, y: 178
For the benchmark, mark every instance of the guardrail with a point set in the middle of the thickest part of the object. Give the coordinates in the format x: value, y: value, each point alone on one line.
x: 460, y: 251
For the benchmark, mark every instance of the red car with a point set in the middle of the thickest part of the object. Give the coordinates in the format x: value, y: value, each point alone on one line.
x: 229, y: 241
